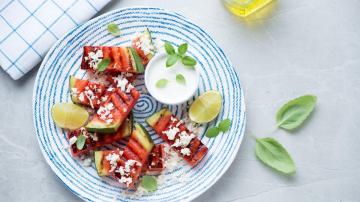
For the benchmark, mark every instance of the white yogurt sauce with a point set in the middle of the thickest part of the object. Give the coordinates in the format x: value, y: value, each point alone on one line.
x: 173, y: 92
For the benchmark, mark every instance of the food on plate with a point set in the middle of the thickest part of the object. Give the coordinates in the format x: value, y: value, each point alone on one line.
x: 116, y: 104
x: 85, y: 92
x: 174, y: 132
x: 206, y: 107
x: 69, y: 115
x: 95, y: 141
x: 156, y: 161
x: 101, y: 114
x: 126, y: 165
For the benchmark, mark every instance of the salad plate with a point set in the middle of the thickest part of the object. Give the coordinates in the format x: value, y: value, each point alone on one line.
x: 183, y: 182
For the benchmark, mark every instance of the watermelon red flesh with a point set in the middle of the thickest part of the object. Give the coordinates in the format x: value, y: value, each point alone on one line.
x: 156, y: 161
x: 103, y: 139
x: 137, y: 149
x: 120, y: 59
x: 122, y: 109
x: 97, y: 89
x: 197, y: 148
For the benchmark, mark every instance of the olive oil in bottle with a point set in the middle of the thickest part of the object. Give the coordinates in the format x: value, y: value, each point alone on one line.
x: 244, y: 8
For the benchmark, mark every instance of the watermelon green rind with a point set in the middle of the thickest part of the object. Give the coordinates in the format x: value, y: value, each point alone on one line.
x: 142, y: 136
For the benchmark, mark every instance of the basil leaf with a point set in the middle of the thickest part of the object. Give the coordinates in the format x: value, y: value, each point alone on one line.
x: 171, y: 60
x: 188, y: 61
x: 182, y: 49
x: 149, y: 183
x: 224, y: 125
x: 80, y: 142
x: 180, y: 79
x: 161, y: 83
x: 294, y: 113
x: 189, y: 67
x: 113, y: 29
x: 274, y: 155
x: 103, y: 64
x: 169, y: 48
x: 212, y: 132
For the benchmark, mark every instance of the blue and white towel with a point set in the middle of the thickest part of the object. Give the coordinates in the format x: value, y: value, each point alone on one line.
x: 28, y: 28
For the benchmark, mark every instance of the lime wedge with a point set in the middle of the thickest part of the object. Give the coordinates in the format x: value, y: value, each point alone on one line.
x: 69, y: 115
x: 206, y: 107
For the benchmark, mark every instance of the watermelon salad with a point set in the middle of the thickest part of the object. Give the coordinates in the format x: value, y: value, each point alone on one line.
x: 109, y: 100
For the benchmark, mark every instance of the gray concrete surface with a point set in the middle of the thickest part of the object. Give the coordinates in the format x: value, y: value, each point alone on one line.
x: 300, y: 47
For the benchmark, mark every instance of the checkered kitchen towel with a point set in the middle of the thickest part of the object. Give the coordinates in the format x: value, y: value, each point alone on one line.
x: 28, y: 28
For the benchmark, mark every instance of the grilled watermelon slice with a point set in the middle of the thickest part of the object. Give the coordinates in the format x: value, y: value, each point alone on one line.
x: 156, y: 161
x: 113, y: 111
x: 92, y: 143
x: 85, y: 92
x: 144, y: 46
x: 122, y: 59
x: 164, y: 123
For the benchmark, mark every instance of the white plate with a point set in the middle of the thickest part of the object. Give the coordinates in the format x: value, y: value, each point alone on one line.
x: 216, y: 71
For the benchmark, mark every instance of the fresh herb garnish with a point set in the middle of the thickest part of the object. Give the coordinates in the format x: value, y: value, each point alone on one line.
x: 113, y: 29
x: 182, y: 49
x: 149, y: 183
x: 103, y: 64
x: 274, y: 155
x: 171, y: 60
x: 212, y: 132
x: 161, y: 83
x: 188, y: 61
x: 172, y: 57
x: 169, y: 48
x: 294, y: 113
x: 180, y: 79
x: 80, y: 142
x: 223, y: 126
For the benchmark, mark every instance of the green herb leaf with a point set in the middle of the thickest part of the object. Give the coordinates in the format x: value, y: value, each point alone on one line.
x: 182, y: 49
x: 188, y: 61
x: 113, y: 29
x: 189, y: 67
x: 212, y: 132
x: 180, y: 79
x: 171, y: 60
x: 274, y: 155
x: 169, y: 48
x: 224, y: 125
x: 103, y: 64
x: 294, y: 113
x: 161, y: 83
x: 80, y: 142
x: 149, y: 183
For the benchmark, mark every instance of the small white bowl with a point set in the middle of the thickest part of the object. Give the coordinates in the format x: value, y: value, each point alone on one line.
x: 174, y: 93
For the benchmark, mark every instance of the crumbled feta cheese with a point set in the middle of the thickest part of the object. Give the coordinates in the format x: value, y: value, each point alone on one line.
x: 113, y: 158
x: 125, y: 180
x: 82, y: 97
x: 111, y: 89
x: 185, y: 151
x: 94, y: 58
x: 72, y: 140
x: 129, y: 164
x: 74, y: 91
x: 144, y: 43
x: 183, y: 140
x: 171, y: 133
x: 179, y: 123
x: 104, y: 112
x: 94, y: 136
x: 89, y: 95
x: 87, y: 161
x: 173, y: 119
x: 104, y: 98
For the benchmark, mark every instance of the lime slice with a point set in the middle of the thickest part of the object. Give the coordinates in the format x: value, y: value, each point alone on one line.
x: 69, y: 115
x: 206, y: 107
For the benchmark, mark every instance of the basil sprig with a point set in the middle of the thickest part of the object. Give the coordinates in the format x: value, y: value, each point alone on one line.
x: 149, y: 183
x: 174, y: 56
